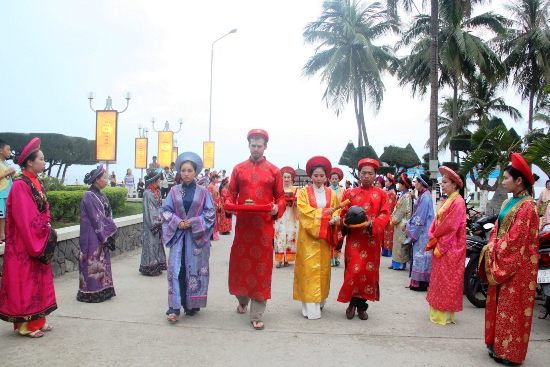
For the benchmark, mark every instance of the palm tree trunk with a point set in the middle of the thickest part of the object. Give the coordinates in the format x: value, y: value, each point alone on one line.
x: 433, y: 78
x: 362, y: 122
x: 356, y: 102
x: 454, y: 126
x: 532, y: 92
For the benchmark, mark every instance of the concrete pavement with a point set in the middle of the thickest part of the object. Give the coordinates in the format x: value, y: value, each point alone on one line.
x: 131, y: 329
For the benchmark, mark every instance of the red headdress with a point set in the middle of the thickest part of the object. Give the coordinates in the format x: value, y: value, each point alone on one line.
x: 519, y: 163
x: 391, y: 178
x: 446, y: 171
x: 258, y: 133
x: 338, y: 171
x: 289, y: 170
x: 404, y: 179
x: 368, y: 162
x: 318, y: 160
x: 33, y: 146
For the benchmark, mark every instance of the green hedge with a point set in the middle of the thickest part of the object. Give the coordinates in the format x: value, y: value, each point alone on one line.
x: 74, y: 188
x: 66, y: 204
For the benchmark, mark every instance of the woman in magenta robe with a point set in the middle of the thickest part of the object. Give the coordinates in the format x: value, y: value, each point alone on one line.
x: 97, y: 237
x: 27, y: 292
x: 447, y: 236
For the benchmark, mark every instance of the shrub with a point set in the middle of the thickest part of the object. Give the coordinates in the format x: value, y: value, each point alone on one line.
x: 52, y: 183
x: 66, y: 204
x: 74, y: 188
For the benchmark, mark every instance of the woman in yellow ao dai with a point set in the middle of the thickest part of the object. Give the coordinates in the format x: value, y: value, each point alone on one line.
x: 316, y: 206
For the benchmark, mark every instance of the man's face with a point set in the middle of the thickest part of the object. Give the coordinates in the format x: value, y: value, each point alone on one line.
x: 154, y: 159
x: 257, y: 147
x: 367, y: 176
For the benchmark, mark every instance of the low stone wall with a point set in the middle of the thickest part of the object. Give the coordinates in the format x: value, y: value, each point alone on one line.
x: 68, y: 246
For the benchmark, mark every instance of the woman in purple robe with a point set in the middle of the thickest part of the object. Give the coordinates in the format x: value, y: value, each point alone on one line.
x: 189, y: 220
x: 97, y: 237
x: 417, y: 232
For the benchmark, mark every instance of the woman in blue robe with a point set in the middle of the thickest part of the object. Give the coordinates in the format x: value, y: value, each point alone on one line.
x: 189, y: 220
x: 417, y: 231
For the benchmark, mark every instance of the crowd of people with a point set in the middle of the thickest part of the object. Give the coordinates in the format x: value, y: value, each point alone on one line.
x: 274, y: 222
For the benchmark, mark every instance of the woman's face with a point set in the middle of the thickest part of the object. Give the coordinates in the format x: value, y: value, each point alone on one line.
x: 510, y: 185
x: 287, y: 179
x: 377, y: 183
x: 334, y: 180
x: 418, y: 185
x: 448, y: 186
x: 101, y: 181
x: 318, y: 177
x: 129, y: 171
x: 548, y: 185
x: 387, y: 182
x: 187, y: 173
x: 38, y: 165
x: 400, y: 187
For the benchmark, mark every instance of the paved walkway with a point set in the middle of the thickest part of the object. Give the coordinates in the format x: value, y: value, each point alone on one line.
x: 131, y: 329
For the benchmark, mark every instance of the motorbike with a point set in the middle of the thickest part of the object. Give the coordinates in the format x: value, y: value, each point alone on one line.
x: 543, y: 276
x: 474, y: 288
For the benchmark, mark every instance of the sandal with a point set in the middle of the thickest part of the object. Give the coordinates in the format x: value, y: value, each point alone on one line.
x: 391, y: 267
x: 35, y: 334
x: 337, y: 263
x: 257, y: 325
x: 46, y: 327
x: 173, y: 317
x: 278, y: 265
x: 286, y: 264
x: 242, y: 309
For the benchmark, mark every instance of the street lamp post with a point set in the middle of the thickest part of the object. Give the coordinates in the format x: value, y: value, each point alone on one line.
x: 211, y: 69
x: 109, y: 107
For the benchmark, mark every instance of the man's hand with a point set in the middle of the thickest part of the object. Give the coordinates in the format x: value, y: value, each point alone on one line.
x: 274, y: 210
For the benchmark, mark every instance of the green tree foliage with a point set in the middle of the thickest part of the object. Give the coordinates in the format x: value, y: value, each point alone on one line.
x: 400, y: 157
x: 352, y: 155
x: 59, y: 150
x: 526, y: 49
x: 349, y: 63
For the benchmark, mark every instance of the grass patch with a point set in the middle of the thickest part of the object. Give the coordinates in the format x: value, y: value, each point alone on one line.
x: 130, y: 208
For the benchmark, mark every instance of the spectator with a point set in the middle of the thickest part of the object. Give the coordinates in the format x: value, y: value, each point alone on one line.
x: 76, y: 182
x: 140, y: 188
x: 165, y: 188
x: 112, y: 179
x: 154, y: 165
x: 129, y: 182
x: 6, y: 173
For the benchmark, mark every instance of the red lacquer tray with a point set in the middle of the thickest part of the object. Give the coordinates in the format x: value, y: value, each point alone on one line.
x: 248, y: 208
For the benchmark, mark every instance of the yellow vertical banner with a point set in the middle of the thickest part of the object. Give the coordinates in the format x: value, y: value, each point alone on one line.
x: 165, y: 148
x: 141, y: 153
x: 208, y: 154
x: 106, y: 135
x: 174, y: 154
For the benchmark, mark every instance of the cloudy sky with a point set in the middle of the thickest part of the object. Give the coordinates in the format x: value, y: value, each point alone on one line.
x: 55, y: 52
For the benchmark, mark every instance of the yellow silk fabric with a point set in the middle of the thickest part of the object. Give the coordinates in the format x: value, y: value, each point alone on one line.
x: 312, y: 268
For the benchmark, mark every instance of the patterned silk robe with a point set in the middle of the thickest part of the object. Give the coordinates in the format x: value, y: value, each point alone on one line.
x: 399, y: 218
x: 312, y: 269
x: 388, y: 232
x: 363, y: 245
x: 286, y: 231
x: 213, y: 190
x: 27, y: 290
x: 447, y: 279
x: 509, y: 263
x: 224, y: 223
x: 251, y: 259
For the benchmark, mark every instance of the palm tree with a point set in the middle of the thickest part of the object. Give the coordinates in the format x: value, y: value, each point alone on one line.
x: 445, y: 122
x: 492, y: 147
x: 526, y: 48
x: 460, y: 53
x: 483, y: 102
x: 350, y: 64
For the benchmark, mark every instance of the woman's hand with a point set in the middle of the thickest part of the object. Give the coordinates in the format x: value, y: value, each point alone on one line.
x: 184, y: 224
x: 330, y: 211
